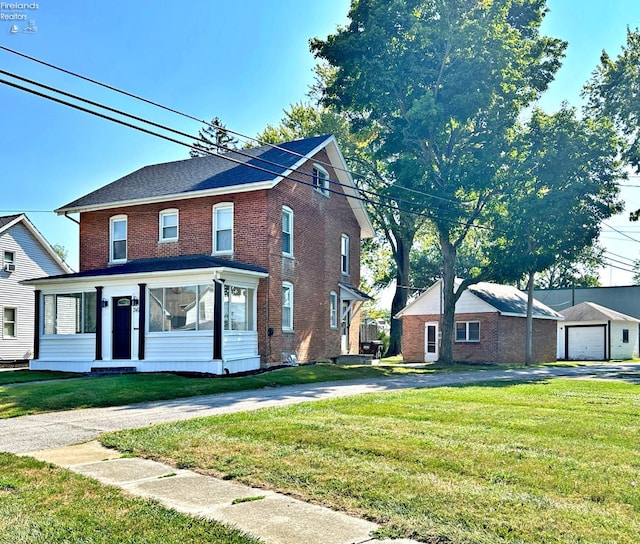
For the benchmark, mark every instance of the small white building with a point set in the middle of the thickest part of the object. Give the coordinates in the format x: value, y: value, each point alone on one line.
x: 24, y: 254
x: 591, y: 332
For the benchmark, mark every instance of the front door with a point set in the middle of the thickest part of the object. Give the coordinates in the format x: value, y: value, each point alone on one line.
x: 430, y: 342
x: 121, y: 336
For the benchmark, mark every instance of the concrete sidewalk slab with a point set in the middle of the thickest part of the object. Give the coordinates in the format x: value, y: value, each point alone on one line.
x: 272, y: 517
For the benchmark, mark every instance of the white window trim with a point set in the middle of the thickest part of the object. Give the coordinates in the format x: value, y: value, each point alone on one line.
x: 15, y: 322
x: 216, y: 207
x: 288, y: 211
x: 113, y: 220
x: 288, y: 326
x: 466, y: 339
x: 333, y: 310
x: 344, y: 252
x: 167, y: 213
x: 324, y: 190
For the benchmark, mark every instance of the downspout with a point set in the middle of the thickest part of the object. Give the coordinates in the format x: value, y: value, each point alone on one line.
x: 66, y: 214
x: 36, y: 327
x: 609, y: 340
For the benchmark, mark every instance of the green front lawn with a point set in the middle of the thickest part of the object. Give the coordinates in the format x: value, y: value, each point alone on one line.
x: 42, y: 504
x: 550, y: 462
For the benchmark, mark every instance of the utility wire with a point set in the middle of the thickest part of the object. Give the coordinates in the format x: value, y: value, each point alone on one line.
x: 225, y: 156
x: 191, y: 117
x: 620, y: 232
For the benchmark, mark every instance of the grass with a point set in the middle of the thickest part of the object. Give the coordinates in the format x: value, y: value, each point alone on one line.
x: 25, y: 376
x: 88, y: 392
x: 550, y: 462
x: 40, y: 503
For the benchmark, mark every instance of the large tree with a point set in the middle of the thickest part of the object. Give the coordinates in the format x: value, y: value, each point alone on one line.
x: 213, y: 139
x: 564, y: 176
x: 441, y: 83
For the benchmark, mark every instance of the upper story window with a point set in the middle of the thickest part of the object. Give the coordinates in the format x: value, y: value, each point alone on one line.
x: 118, y: 239
x: 467, y: 331
x: 287, y: 231
x: 344, y: 254
x: 9, y: 261
x: 168, y: 225
x: 320, y: 180
x: 287, y: 306
x: 223, y: 228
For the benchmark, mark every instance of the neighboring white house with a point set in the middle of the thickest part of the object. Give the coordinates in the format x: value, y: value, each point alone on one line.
x: 24, y: 255
x: 591, y: 332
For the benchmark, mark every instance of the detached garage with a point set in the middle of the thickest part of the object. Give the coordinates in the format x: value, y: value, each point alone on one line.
x: 591, y: 332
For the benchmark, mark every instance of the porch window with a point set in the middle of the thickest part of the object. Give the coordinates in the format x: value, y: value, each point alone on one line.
x: 168, y: 225
x: 320, y: 180
x: 287, y: 231
x: 467, y: 331
x: 238, y: 309
x: 287, y: 306
x: 9, y: 320
x: 70, y: 313
x: 223, y: 228
x: 333, y: 310
x: 183, y: 308
x: 118, y: 239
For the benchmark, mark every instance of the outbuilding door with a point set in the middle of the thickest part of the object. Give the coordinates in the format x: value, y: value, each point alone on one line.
x: 586, y: 343
x: 121, y: 335
x: 430, y: 342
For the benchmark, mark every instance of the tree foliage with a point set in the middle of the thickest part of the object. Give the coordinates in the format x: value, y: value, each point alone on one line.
x: 441, y: 84
x: 212, y: 139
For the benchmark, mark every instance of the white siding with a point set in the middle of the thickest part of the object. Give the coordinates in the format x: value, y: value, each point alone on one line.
x: 70, y: 347
x: 429, y: 304
x: 619, y: 349
x: 239, y: 345
x: 176, y: 346
x: 32, y: 261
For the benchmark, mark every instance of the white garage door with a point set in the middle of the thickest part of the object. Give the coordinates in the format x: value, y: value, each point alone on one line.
x: 587, y: 343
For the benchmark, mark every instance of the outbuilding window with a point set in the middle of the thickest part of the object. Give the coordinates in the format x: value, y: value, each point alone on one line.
x: 625, y: 336
x: 467, y: 331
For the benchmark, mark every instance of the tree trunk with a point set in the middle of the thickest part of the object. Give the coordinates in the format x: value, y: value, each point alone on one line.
x: 529, y: 335
x: 448, y: 299
x: 401, y: 256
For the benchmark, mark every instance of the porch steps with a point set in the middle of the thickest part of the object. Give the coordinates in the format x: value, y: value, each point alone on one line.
x: 353, y: 359
x: 112, y: 370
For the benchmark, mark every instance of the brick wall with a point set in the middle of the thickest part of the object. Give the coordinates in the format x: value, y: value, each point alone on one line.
x: 502, y: 339
x: 314, y: 270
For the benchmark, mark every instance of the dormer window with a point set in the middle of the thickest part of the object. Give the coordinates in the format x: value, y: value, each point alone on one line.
x: 118, y: 239
x: 320, y: 180
x: 168, y: 225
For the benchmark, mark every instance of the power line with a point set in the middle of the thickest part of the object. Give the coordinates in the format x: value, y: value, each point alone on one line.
x: 620, y: 232
x: 191, y: 117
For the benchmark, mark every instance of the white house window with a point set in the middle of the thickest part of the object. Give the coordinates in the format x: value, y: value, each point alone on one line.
x: 70, y: 313
x: 118, y: 244
x: 238, y: 309
x: 333, y: 310
x: 183, y: 308
x: 344, y: 254
x: 320, y: 180
x: 287, y: 306
x: 467, y: 331
x: 9, y: 319
x: 168, y: 225
x: 223, y: 228
x: 287, y: 231
x: 9, y: 261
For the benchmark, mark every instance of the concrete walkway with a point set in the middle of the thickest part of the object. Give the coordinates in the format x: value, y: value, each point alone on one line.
x: 272, y: 517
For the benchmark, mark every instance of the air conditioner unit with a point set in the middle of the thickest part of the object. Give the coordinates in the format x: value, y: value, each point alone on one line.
x: 10, y: 267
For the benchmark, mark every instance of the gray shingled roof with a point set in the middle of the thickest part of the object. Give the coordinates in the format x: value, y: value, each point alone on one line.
x: 200, y: 174
x: 161, y: 264
x: 511, y: 301
x: 590, y: 311
x: 6, y: 219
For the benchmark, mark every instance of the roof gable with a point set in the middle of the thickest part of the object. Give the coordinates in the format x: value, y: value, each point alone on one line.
x: 590, y: 311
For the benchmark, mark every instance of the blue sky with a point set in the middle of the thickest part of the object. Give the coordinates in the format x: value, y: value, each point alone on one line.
x: 243, y: 61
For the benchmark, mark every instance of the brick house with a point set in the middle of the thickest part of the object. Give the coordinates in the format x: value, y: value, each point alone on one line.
x: 218, y: 264
x: 24, y: 254
x: 490, y: 326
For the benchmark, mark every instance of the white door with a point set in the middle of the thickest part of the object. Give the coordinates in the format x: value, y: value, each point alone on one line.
x: 587, y: 343
x: 430, y: 342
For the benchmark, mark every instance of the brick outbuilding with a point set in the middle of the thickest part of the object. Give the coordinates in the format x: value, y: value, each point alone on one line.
x: 490, y: 326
